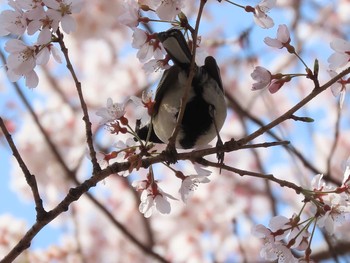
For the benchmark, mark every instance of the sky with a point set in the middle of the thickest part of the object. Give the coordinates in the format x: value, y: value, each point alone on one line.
x: 12, y: 204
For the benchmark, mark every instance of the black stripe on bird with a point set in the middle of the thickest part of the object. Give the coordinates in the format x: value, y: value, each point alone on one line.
x: 205, y: 110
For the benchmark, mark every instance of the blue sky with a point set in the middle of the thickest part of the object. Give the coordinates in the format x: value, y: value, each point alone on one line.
x: 10, y: 203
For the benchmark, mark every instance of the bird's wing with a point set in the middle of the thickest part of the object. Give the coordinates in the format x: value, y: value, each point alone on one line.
x: 213, y: 70
x: 168, y: 81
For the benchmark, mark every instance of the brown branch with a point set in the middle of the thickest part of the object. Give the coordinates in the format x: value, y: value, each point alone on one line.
x: 338, y: 249
x: 335, y: 141
x: 241, y: 111
x: 74, y: 194
x: 96, y: 166
x: 172, y: 140
x: 240, y: 172
x: 30, y: 178
x: 146, y: 249
x: 299, y: 105
x: 71, y: 175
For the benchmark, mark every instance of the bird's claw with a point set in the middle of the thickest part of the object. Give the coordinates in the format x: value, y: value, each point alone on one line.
x: 220, y: 155
x: 170, y: 153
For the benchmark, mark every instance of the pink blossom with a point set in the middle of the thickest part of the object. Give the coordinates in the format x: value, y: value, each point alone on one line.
x: 337, y: 210
x: 154, y: 65
x: 262, y: 77
x: 333, y: 208
x: 153, y: 198
x: 21, y: 62
x: 130, y: 16
x: 339, y: 87
x: 13, y: 21
x: 346, y: 176
x: 289, y: 228
x: 272, y: 249
x: 44, y: 55
x: 260, y: 16
x: 112, y: 111
x: 282, y: 39
x: 144, y: 107
x: 147, y: 45
x: 169, y: 9
x: 190, y: 183
x: 342, y: 53
x: 275, y: 85
x: 64, y: 9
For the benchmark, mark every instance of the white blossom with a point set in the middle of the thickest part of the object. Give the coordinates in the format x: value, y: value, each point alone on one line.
x: 64, y: 9
x: 342, y: 53
x: 147, y: 45
x: 143, y: 107
x: 153, y: 198
x: 190, y: 183
x: 112, y: 111
x: 21, y: 62
x: 13, y: 21
x: 283, y: 38
x: 260, y: 16
x: 262, y: 77
x: 339, y: 87
x: 131, y: 14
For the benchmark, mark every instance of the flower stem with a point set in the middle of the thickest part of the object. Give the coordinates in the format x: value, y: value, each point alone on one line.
x: 232, y: 3
x: 302, y: 61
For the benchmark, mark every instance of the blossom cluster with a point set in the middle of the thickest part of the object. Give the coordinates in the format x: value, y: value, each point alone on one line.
x: 152, y: 196
x: 339, y: 59
x: 329, y: 209
x: 40, y: 20
x: 150, y: 50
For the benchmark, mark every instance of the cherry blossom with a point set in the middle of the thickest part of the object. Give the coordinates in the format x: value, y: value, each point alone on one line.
x: 63, y: 9
x: 342, y: 53
x: 147, y: 45
x: 289, y: 228
x: 282, y: 39
x: 152, y: 198
x: 44, y: 55
x: 339, y: 87
x: 21, y: 62
x: 264, y: 79
x: 317, y: 183
x: 272, y: 248
x: 13, y: 21
x: 130, y: 16
x: 144, y: 107
x: 190, y: 183
x: 337, y: 209
x: 333, y: 208
x: 154, y: 65
x: 168, y: 9
x: 112, y: 111
x: 346, y: 176
x: 45, y: 22
x: 260, y: 16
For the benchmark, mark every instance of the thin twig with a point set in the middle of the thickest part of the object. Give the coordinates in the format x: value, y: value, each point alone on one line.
x: 270, y: 177
x: 25, y: 242
x: 88, y: 130
x: 335, y: 141
x: 172, y: 140
x: 291, y: 111
x: 30, y: 178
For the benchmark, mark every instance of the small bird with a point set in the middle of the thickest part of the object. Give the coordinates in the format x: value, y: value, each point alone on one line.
x: 205, y: 110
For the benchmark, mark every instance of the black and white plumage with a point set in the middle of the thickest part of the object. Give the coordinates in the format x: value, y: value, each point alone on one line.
x: 205, y: 110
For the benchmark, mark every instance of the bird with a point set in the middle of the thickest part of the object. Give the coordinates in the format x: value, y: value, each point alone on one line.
x: 205, y: 110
